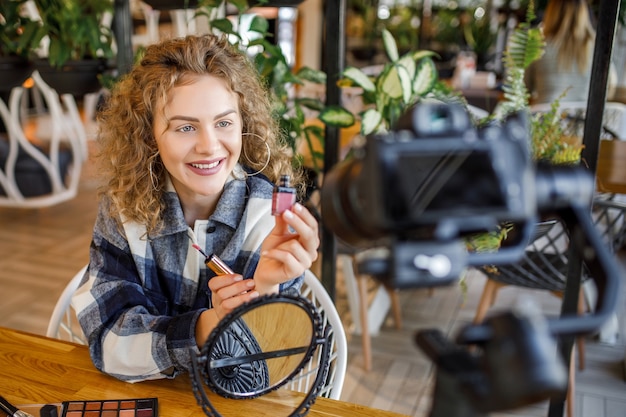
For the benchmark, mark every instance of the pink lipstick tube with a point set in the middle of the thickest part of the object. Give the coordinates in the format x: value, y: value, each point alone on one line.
x: 284, y: 196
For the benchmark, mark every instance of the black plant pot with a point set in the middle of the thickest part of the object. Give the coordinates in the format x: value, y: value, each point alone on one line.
x: 192, y: 4
x: 74, y: 77
x: 172, y: 4
x: 364, y: 53
x: 14, y: 70
x: 276, y: 3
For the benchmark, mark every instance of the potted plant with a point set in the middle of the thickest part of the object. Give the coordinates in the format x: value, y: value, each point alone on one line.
x: 480, y: 35
x: 403, y: 81
x: 16, y: 33
x: 172, y: 4
x: 363, y: 29
x: 79, y: 43
x: 238, y: 4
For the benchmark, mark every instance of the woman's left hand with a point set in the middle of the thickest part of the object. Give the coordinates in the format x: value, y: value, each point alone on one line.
x: 289, y: 250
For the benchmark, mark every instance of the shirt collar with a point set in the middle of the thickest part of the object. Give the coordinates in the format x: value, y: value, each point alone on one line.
x: 229, y: 209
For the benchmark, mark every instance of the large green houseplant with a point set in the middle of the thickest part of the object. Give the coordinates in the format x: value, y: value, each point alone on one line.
x: 16, y: 29
x: 79, y: 43
x: 16, y: 35
x: 402, y: 82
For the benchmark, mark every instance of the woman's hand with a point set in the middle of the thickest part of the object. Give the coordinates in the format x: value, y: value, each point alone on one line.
x: 289, y: 250
x: 227, y: 293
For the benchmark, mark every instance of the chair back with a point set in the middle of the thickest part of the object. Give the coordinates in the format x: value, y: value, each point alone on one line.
x: 545, y: 262
x: 63, y: 323
x: 313, y: 290
x: 40, y: 171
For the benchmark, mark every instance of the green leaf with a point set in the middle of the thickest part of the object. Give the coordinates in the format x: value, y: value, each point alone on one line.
x: 390, y: 83
x: 417, y: 55
x: 405, y: 83
x: 390, y: 45
x: 359, y: 78
x: 425, y: 78
x: 336, y: 116
x: 370, y: 121
x: 310, y: 103
x: 409, y: 63
x: 394, y: 111
x: 259, y: 24
x: 223, y: 25
x: 312, y: 75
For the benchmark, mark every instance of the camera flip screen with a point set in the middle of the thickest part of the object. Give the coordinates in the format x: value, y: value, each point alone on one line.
x: 431, y: 185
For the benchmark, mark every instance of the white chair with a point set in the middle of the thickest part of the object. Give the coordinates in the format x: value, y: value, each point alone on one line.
x: 63, y: 323
x: 29, y: 176
x: 313, y: 290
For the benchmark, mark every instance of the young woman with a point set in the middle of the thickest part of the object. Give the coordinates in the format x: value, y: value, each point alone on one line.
x: 191, y: 155
x: 565, y: 67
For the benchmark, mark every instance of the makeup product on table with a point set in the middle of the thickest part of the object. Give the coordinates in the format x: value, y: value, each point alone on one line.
x: 139, y: 407
x: 49, y: 410
x: 12, y: 410
x: 284, y: 196
x: 214, y: 263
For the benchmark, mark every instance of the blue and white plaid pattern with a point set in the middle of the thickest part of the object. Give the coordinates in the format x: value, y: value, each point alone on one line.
x: 142, y: 294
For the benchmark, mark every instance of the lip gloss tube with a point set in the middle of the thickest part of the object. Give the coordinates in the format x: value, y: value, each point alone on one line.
x: 284, y: 196
x: 216, y: 265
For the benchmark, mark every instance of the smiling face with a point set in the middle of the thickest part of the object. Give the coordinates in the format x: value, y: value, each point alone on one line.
x: 198, y: 135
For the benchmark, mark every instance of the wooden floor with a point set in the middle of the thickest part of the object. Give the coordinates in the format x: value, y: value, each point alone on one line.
x: 41, y: 249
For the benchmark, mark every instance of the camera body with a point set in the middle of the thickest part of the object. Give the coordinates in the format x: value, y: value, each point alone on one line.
x: 418, y: 190
x: 435, y: 177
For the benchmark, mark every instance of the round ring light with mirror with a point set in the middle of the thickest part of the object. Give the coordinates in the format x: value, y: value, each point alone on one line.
x: 258, y: 348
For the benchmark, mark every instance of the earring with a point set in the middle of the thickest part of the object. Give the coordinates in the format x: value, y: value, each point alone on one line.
x: 267, y: 146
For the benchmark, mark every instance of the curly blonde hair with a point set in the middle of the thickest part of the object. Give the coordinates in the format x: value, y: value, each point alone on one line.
x: 128, y: 154
x: 568, y: 24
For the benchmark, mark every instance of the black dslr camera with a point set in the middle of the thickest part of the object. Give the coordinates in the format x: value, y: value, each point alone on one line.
x: 434, y: 176
x: 420, y: 187
x: 417, y: 191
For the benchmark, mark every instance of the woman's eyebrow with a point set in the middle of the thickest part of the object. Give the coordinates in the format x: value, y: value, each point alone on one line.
x: 185, y: 118
x: 194, y: 119
x: 225, y: 113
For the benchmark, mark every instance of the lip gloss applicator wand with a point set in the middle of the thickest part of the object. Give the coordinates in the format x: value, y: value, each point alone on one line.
x: 213, y: 262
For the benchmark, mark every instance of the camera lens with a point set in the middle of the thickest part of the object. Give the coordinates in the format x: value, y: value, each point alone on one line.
x: 343, y: 207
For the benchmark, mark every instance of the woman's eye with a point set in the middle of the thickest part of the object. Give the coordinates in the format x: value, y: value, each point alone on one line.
x: 186, y: 128
x: 223, y: 123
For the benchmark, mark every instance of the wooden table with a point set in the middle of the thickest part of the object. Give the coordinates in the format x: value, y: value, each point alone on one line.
x: 39, y: 370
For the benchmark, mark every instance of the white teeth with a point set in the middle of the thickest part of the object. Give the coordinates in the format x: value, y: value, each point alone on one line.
x: 205, y: 166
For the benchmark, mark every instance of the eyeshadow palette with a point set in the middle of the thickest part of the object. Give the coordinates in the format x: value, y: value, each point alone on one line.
x: 140, y: 407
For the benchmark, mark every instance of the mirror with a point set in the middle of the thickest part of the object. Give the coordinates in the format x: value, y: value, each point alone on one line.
x: 259, y: 347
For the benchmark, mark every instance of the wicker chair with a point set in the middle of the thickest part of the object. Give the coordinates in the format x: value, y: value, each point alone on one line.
x: 544, y: 266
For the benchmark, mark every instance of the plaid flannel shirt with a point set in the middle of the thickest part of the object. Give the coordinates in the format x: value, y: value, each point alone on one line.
x: 141, y: 296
